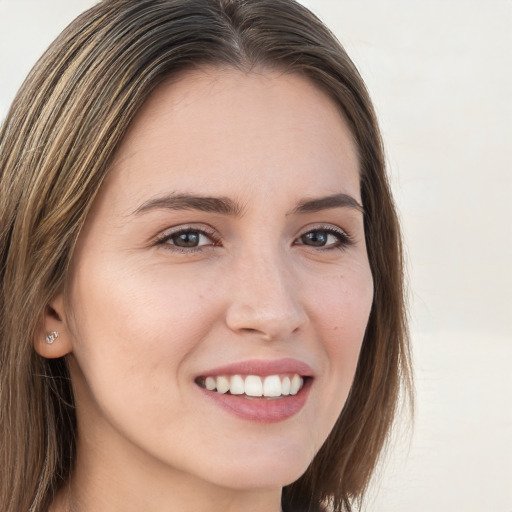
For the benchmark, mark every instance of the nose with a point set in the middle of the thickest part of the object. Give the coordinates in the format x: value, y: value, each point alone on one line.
x: 265, y: 299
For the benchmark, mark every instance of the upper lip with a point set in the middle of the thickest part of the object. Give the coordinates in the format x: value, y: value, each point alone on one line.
x: 262, y: 367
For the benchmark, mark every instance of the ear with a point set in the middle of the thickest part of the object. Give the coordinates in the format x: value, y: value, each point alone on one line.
x: 46, y: 342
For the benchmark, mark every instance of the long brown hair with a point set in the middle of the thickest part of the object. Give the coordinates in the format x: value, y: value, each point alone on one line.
x: 55, y: 149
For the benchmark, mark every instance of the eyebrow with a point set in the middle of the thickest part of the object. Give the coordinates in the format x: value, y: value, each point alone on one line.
x: 226, y: 206
x: 222, y: 205
x: 328, y: 202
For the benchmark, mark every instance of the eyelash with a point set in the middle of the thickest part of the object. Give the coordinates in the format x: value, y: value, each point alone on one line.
x: 344, y: 240
x: 165, y: 239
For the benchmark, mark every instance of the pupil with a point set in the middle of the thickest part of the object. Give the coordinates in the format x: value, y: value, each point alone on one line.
x: 186, y: 240
x: 316, y: 238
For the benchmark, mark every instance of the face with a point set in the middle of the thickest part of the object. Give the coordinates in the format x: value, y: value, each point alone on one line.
x: 223, y: 259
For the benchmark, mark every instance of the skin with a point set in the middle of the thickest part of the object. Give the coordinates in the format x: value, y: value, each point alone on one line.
x: 143, y: 318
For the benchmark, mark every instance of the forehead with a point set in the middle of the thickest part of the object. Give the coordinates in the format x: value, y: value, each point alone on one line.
x: 212, y: 127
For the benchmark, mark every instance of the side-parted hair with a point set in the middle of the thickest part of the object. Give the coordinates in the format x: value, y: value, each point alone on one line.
x: 56, y: 145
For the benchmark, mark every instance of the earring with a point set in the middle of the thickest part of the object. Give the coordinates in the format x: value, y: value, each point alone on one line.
x: 51, y: 337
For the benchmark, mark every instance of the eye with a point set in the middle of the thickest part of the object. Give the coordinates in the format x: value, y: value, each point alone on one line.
x: 325, y: 238
x: 188, y: 238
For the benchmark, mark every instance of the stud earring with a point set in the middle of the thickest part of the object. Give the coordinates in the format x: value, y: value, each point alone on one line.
x: 51, y: 337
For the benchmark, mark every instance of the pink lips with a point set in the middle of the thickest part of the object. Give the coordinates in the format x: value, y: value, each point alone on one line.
x: 263, y: 368
x: 261, y: 410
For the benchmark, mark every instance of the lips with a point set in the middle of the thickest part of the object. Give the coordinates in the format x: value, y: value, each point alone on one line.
x: 259, y: 390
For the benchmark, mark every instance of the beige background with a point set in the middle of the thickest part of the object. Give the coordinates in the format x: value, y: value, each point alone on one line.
x: 440, y: 73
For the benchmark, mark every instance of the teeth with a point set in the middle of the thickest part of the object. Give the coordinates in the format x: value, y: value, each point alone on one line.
x: 285, y: 387
x: 222, y: 385
x: 237, y: 385
x: 271, y: 386
x: 253, y: 386
x: 295, y: 385
x: 210, y: 383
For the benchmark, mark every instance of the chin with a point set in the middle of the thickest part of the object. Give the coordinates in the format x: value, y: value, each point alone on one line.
x: 262, y: 468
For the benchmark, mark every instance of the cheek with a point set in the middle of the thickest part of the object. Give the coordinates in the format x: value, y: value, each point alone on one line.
x: 342, y: 307
x: 135, y: 328
x: 341, y: 314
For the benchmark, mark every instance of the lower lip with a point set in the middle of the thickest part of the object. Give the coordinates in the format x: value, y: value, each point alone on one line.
x: 261, y: 410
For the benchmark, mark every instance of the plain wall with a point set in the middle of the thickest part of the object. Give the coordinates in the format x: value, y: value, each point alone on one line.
x: 440, y: 74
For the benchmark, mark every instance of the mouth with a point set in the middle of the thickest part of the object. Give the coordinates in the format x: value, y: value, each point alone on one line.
x: 270, y: 387
x: 257, y: 390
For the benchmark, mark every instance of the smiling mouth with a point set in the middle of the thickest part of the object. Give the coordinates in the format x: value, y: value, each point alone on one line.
x: 254, y: 386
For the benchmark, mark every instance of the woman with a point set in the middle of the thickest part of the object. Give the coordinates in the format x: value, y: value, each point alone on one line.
x: 202, y: 303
